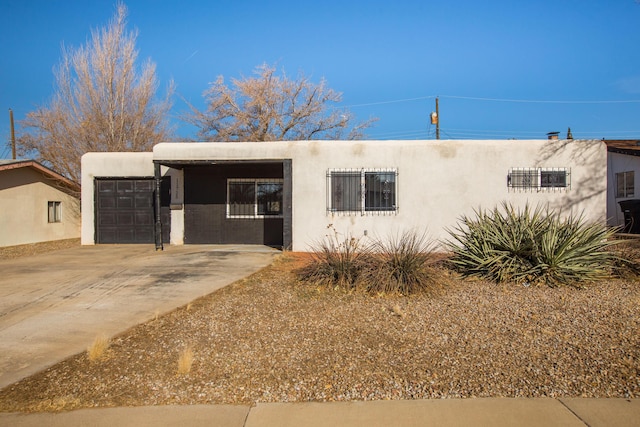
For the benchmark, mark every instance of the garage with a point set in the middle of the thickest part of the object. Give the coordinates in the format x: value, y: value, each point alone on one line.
x: 125, y: 210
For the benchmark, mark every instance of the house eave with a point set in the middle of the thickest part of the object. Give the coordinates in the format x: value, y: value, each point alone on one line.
x: 181, y: 164
x: 66, y: 184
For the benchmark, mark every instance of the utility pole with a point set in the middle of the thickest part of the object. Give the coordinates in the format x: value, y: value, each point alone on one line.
x: 435, y: 119
x: 438, y: 120
x: 13, y: 135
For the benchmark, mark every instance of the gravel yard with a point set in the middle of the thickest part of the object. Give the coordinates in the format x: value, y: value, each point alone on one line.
x: 270, y: 338
x: 11, y: 252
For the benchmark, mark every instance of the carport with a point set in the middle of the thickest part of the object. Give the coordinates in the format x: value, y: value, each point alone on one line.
x: 229, y: 201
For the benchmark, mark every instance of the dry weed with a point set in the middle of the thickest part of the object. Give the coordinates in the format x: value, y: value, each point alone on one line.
x: 185, y: 361
x: 98, y: 348
x: 398, y: 311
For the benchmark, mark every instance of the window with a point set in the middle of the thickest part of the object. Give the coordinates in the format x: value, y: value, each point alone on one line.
x: 254, y: 198
x: 54, y: 211
x: 346, y: 191
x: 553, y: 179
x: 625, y: 184
x: 361, y: 191
x: 538, y: 178
x: 380, y: 191
x: 523, y: 178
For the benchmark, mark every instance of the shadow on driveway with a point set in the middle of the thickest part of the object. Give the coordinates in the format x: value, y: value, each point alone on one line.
x: 53, y: 305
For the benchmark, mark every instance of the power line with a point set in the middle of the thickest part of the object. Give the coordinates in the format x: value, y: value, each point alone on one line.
x: 393, y: 101
x: 5, y: 149
x: 533, y: 101
x: 472, y: 98
x: 462, y: 134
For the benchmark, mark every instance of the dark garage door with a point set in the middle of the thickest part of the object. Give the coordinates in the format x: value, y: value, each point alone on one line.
x: 124, y: 211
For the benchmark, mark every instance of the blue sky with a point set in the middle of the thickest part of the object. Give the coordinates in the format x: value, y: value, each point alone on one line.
x: 502, y: 69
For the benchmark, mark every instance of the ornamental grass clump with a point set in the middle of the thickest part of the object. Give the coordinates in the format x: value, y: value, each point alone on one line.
x: 531, y: 246
x: 335, y: 261
x: 403, y: 263
x: 626, y: 261
x: 98, y: 348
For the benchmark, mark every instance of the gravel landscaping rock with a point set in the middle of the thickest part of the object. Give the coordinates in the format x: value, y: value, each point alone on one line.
x: 11, y: 252
x: 270, y: 338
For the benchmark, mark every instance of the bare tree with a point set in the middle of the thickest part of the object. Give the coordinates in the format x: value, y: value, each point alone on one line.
x: 102, y: 102
x: 269, y: 107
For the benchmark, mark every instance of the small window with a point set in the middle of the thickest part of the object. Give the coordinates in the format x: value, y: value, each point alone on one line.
x: 254, y: 198
x: 523, y: 178
x: 361, y: 191
x: 538, y: 178
x: 625, y: 185
x: 54, y: 210
x: 553, y: 179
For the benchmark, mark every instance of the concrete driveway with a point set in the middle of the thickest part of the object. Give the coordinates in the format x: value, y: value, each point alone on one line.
x: 52, y: 306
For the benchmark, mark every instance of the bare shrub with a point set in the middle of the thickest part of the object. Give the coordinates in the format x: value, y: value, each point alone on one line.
x: 335, y: 261
x: 403, y: 263
x: 626, y: 258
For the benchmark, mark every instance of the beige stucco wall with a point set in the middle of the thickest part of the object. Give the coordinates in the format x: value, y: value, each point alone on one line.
x: 24, y: 197
x: 438, y: 180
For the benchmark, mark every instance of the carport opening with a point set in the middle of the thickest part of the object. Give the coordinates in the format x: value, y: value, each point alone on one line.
x: 236, y: 202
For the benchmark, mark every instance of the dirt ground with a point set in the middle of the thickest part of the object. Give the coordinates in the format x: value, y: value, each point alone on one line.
x: 271, y: 338
x: 10, y: 252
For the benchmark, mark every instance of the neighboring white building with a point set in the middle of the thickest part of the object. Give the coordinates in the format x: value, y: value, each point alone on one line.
x: 36, y: 204
x: 623, y: 171
x: 288, y: 193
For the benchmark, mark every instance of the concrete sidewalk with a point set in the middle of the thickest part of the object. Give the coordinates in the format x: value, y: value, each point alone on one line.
x: 497, y: 412
x: 53, y: 305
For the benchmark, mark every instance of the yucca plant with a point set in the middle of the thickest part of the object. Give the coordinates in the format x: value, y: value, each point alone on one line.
x: 403, y: 263
x: 532, y: 246
x: 335, y: 261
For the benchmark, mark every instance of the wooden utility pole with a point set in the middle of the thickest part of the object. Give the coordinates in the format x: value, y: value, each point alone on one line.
x: 13, y: 135
x: 435, y: 119
x: 438, y: 120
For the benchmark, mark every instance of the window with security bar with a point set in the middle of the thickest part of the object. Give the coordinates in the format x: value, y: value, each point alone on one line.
x: 539, y: 178
x: 254, y: 198
x: 363, y: 191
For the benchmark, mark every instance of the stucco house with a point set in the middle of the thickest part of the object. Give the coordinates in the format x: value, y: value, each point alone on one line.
x: 623, y: 169
x: 37, y: 204
x: 288, y: 193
